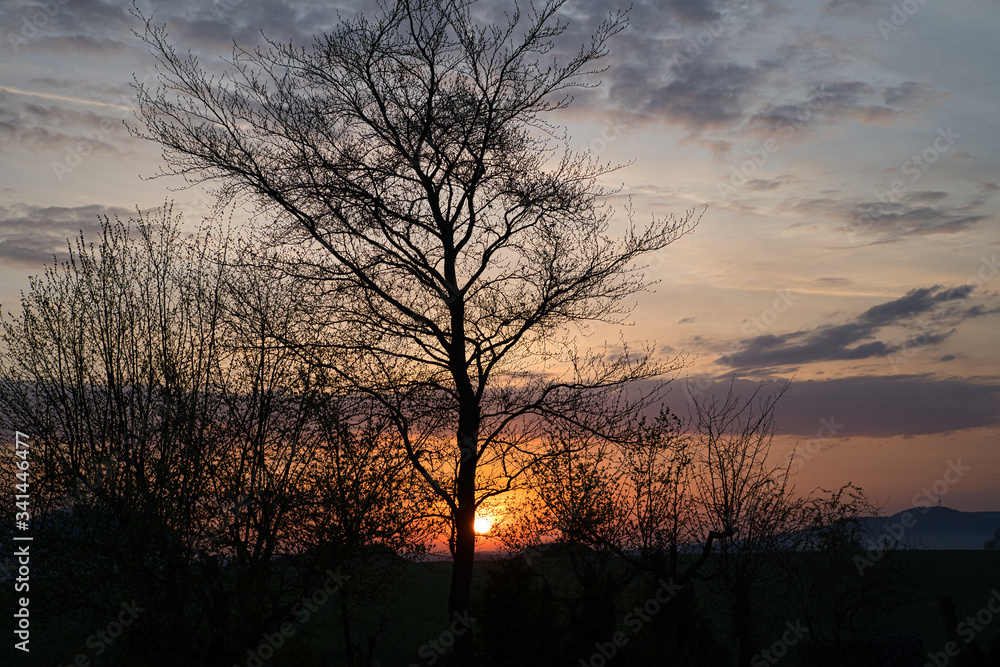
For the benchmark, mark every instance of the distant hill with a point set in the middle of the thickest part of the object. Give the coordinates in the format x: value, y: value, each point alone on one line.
x: 936, y: 528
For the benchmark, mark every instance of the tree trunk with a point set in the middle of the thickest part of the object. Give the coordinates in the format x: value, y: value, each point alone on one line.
x: 744, y: 625
x: 460, y: 594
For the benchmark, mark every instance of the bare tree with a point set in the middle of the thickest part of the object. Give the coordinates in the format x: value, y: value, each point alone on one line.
x: 632, y: 495
x: 993, y: 543
x: 833, y: 531
x: 667, y: 496
x: 784, y: 547
x: 180, y: 452
x: 632, y: 498
x: 444, y: 231
x: 366, y: 508
x: 741, y: 489
x: 702, y: 500
x: 110, y: 368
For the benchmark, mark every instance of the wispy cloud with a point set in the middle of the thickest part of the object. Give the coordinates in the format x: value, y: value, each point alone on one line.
x: 912, y: 214
x: 31, y: 235
x: 859, y: 338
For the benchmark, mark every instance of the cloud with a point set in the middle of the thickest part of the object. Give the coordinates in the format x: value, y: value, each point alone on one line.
x: 102, y: 91
x: 940, y: 311
x: 104, y: 28
x: 704, y: 94
x: 89, y: 27
x: 81, y: 44
x: 211, y: 28
x: 29, y: 124
x: 702, y: 80
x: 917, y: 213
x: 677, y: 65
x: 767, y: 184
x: 829, y: 101
x: 894, y: 220
x: 692, y: 12
x: 848, y: 7
x: 884, y: 406
x: 31, y: 235
x: 922, y: 196
x: 916, y: 302
x: 870, y: 406
x: 908, y: 93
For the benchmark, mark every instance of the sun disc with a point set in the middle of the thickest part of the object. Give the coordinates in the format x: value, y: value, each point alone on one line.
x: 483, y: 524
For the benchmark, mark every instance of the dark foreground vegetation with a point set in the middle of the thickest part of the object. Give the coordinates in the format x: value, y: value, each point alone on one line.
x: 534, y: 609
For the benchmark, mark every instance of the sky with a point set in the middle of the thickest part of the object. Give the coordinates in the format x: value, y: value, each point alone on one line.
x: 844, y: 156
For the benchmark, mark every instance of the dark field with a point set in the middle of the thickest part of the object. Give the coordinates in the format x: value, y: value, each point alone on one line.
x: 518, y: 620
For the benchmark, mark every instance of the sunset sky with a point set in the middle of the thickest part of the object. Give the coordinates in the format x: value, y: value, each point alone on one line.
x: 847, y: 151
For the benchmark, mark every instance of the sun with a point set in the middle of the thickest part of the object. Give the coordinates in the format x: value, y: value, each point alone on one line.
x: 483, y: 524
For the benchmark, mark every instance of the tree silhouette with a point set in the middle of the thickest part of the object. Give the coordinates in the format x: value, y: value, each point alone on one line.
x: 664, y: 498
x: 175, y: 446
x: 993, y: 543
x: 742, y: 490
x: 438, y: 231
